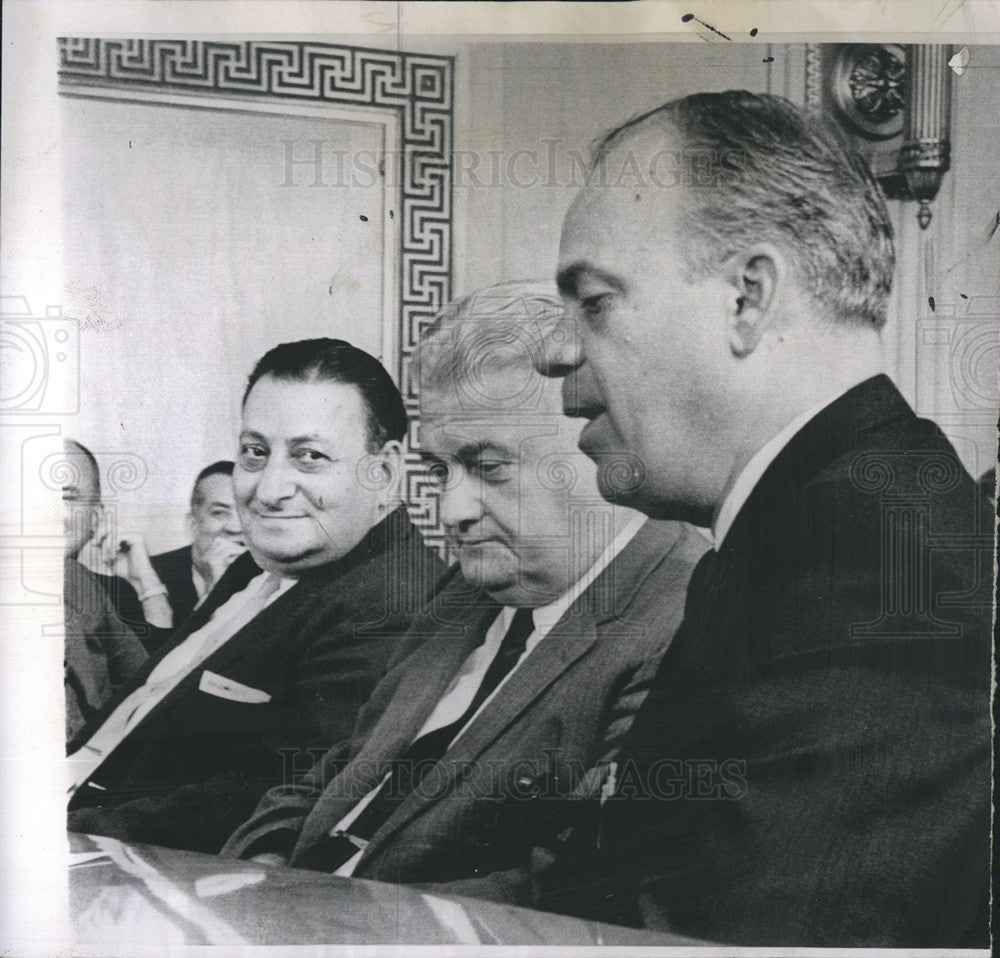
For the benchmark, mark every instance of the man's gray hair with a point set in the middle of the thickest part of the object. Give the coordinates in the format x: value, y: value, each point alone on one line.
x: 764, y: 170
x: 502, y: 328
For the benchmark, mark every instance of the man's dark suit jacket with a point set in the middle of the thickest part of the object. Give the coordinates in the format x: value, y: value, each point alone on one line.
x: 472, y: 823
x: 836, y: 653
x: 174, y: 570
x: 198, y: 763
x: 101, y: 653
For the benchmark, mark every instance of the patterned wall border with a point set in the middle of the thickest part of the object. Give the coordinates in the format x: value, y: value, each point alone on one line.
x: 418, y: 87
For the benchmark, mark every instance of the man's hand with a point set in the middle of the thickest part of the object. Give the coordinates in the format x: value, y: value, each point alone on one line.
x: 133, y: 563
x: 218, y: 558
x: 129, y: 558
x: 124, y: 556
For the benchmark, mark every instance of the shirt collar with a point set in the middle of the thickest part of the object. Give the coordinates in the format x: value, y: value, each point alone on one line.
x: 752, y: 472
x: 200, y: 582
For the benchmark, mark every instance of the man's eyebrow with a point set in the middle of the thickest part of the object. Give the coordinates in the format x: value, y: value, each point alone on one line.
x: 568, y: 278
x: 469, y: 452
x: 472, y: 451
x: 306, y: 437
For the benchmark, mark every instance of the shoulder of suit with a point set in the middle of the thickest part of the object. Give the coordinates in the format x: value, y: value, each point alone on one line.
x: 678, y: 545
x: 176, y: 558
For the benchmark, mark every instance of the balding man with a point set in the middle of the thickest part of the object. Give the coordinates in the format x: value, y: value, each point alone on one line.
x: 540, y: 647
x: 836, y: 641
x: 101, y: 652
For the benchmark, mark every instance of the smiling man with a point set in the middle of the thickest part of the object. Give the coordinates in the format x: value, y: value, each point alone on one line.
x: 217, y: 539
x: 264, y: 672
x: 724, y: 339
x: 540, y: 646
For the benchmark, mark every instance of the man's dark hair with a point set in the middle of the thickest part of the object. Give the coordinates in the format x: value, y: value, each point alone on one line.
x: 224, y: 467
x: 333, y: 360
x: 779, y: 174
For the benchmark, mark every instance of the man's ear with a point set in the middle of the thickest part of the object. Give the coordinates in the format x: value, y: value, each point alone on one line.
x: 95, y: 517
x: 390, y: 464
x: 754, y: 279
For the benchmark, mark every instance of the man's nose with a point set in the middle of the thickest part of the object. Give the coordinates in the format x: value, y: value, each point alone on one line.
x: 460, y: 503
x: 275, y: 483
x: 561, y: 350
x: 232, y: 528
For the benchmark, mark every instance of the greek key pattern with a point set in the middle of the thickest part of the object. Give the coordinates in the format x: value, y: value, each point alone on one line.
x: 419, y: 87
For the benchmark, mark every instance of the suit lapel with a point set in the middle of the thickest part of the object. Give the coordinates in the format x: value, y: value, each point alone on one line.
x: 569, y: 639
x: 193, y: 623
x: 324, y: 585
x: 420, y: 688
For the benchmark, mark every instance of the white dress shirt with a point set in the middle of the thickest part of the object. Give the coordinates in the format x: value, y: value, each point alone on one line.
x: 178, y: 663
x: 752, y: 472
x: 462, y: 689
x: 200, y: 585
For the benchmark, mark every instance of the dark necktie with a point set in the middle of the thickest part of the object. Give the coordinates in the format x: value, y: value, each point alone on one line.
x: 411, y: 768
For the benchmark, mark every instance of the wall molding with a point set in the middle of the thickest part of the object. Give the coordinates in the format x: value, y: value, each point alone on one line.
x: 418, y: 87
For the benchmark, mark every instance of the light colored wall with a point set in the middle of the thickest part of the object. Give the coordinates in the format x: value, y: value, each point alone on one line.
x: 553, y: 100
x: 190, y: 249
x: 945, y: 359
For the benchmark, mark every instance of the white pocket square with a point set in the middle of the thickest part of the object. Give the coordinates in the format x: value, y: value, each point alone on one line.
x: 228, y: 689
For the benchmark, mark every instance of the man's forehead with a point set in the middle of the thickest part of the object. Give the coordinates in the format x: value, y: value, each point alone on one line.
x: 216, y: 489
x: 83, y: 482
x: 448, y: 433
x: 442, y: 425
x: 638, y: 180
x: 493, y: 396
x: 295, y: 408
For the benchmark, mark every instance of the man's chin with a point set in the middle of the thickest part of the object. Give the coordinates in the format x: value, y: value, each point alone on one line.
x: 485, y: 572
x: 620, y: 483
x: 284, y: 562
x: 621, y: 477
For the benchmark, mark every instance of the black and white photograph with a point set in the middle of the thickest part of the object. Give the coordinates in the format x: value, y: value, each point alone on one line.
x: 499, y: 476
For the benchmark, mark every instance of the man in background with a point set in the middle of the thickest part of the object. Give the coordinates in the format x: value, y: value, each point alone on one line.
x: 261, y: 677
x: 186, y: 575
x: 189, y: 573
x: 540, y: 646
x: 836, y: 641
x: 101, y: 653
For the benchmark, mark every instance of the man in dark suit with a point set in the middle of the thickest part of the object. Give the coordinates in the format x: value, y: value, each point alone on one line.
x: 101, y: 654
x: 259, y: 675
x: 541, y: 645
x: 189, y: 573
x: 185, y: 575
x: 835, y: 648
